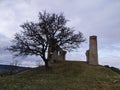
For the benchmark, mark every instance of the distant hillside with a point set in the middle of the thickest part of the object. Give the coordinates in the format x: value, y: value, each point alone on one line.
x: 7, y: 69
x: 8, y: 66
x: 64, y: 76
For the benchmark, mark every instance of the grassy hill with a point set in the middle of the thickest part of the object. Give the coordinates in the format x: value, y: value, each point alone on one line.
x: 63, y: 76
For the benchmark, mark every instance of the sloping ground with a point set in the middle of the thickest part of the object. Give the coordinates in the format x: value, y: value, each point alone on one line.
x: 64, y: 76
x: 7, y: 69
x: 11, y: 66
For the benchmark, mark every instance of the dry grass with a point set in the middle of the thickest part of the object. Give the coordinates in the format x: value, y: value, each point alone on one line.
x: 64, y: 76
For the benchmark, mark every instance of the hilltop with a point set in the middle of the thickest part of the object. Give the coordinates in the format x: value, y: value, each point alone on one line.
x: 67, y: 75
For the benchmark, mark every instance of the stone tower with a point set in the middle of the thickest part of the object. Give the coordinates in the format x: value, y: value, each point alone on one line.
x: 92, y: 53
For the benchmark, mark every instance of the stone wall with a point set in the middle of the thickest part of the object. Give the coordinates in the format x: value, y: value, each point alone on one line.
x: 92, y: 53
x: 57, y: 54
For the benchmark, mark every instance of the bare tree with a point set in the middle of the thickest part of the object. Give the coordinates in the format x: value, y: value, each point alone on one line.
x: 13, y: 66
x: 15, y: 63
x: 49, y: 31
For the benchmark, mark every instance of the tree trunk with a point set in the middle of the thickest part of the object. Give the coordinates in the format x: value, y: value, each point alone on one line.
x: 46, y: 63
x: 45, y: 60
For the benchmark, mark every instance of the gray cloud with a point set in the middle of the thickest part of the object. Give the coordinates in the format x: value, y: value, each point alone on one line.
x: 92, y: 17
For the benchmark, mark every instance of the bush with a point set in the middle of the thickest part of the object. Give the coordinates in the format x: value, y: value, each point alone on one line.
x: 113, y: 69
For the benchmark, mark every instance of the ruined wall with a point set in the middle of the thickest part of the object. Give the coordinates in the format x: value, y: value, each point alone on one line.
x: 54, y: 55
x: 92, y: 53
x: 62, y: 55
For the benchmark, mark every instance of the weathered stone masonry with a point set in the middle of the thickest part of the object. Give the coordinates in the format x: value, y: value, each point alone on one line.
x: 57, y: 54
x: 92, y: 53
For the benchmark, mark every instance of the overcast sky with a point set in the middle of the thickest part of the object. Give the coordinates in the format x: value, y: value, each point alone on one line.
x: 91, y: 17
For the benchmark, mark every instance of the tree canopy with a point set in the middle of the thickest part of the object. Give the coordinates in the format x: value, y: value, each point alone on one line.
x: 50, y: 30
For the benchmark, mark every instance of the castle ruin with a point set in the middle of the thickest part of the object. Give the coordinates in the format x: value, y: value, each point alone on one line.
x: 55, y: 54
x: 92, y: 53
